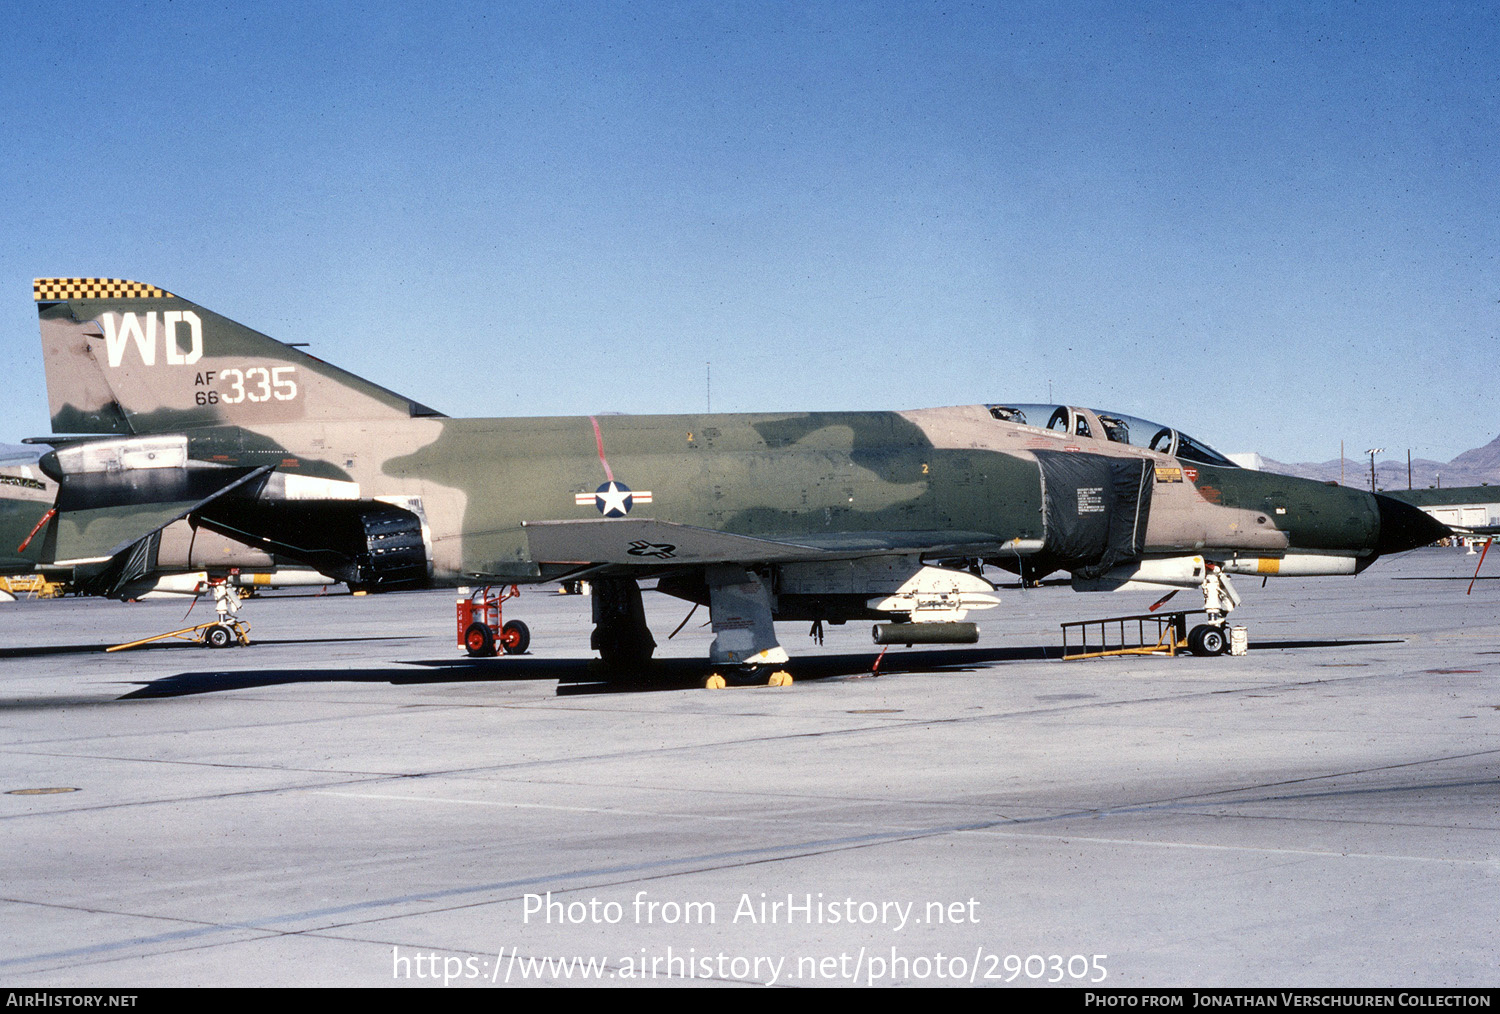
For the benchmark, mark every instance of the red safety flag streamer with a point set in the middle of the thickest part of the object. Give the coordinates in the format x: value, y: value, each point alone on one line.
x: 45, y: 518
x: 1163, y: 600
x: 1486, y: 549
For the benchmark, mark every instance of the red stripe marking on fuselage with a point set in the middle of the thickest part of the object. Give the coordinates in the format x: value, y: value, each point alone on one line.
x: 599, y: 442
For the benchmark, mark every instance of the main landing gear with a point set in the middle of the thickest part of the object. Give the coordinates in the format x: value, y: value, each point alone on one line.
x: 482, y: 631
x: 748, y: 676
x: 620, y: 635
x: 744, y: 650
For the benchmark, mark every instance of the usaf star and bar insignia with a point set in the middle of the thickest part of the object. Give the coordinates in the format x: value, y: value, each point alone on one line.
x: 613, y: 499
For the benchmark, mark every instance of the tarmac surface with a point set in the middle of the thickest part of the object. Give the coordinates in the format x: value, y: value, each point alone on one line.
x: 350, y: 801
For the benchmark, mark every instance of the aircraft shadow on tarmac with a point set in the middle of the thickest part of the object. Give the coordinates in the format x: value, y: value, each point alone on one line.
x: 577, y: 675
x: 588, y: 675
x: 39, y: 650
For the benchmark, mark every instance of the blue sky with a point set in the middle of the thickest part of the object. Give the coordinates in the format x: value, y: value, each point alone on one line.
x: 1273, y: 225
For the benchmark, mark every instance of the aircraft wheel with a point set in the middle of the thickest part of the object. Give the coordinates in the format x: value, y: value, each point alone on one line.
x: 479, y: 640
x: 747, y: 674
x: 1208, y: 639
x: 515, y: 638
x: 218, y: 636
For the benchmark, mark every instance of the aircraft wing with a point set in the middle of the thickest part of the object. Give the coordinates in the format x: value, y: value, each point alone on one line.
x: 645, y: 541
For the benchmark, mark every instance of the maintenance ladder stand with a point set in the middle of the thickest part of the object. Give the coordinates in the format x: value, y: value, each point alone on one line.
x: 1170, y: 632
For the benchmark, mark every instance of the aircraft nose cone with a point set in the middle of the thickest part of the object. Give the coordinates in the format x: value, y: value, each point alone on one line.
x: 1404, y: 527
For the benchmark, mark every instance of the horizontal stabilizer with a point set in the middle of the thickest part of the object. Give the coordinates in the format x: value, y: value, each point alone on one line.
x: 77, y: 533
x: 96, y: 534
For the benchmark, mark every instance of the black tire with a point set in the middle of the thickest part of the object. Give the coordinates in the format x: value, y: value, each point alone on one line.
x: 746, y: 674
x: 219, y: 636
x: 1208, y: 639
x: 479, y: 640
x: 515, y: 638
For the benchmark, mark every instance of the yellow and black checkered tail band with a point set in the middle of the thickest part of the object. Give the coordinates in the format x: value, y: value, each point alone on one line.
x: 57, y: 289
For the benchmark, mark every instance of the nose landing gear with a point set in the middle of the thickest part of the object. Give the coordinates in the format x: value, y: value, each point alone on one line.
x: 1219, y: 597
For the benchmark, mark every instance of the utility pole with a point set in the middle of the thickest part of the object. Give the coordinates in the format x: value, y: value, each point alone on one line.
x: 1372, y: 452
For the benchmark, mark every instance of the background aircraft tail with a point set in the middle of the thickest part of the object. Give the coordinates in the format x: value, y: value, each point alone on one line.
x: 127, y: 357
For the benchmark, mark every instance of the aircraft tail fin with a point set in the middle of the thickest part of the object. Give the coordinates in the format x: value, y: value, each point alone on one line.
x: 127, y: 357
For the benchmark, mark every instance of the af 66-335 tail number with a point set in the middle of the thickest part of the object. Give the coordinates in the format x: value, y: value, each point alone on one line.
x: 253, y: 383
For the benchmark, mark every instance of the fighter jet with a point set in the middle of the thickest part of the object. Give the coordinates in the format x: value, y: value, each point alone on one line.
x: 26, y: 496
x: 162, y: 409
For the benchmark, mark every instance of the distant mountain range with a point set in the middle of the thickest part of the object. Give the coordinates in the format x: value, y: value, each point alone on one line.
x: 1471, y: 468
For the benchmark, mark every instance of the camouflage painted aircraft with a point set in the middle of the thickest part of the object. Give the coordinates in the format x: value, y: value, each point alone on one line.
x: 165, y: 410
x: 25, y: 498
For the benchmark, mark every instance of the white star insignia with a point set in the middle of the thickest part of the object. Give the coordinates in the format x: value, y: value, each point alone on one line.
x: 614, y: 500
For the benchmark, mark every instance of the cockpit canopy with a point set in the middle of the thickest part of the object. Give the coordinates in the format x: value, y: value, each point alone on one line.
x: 1115, y: 426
